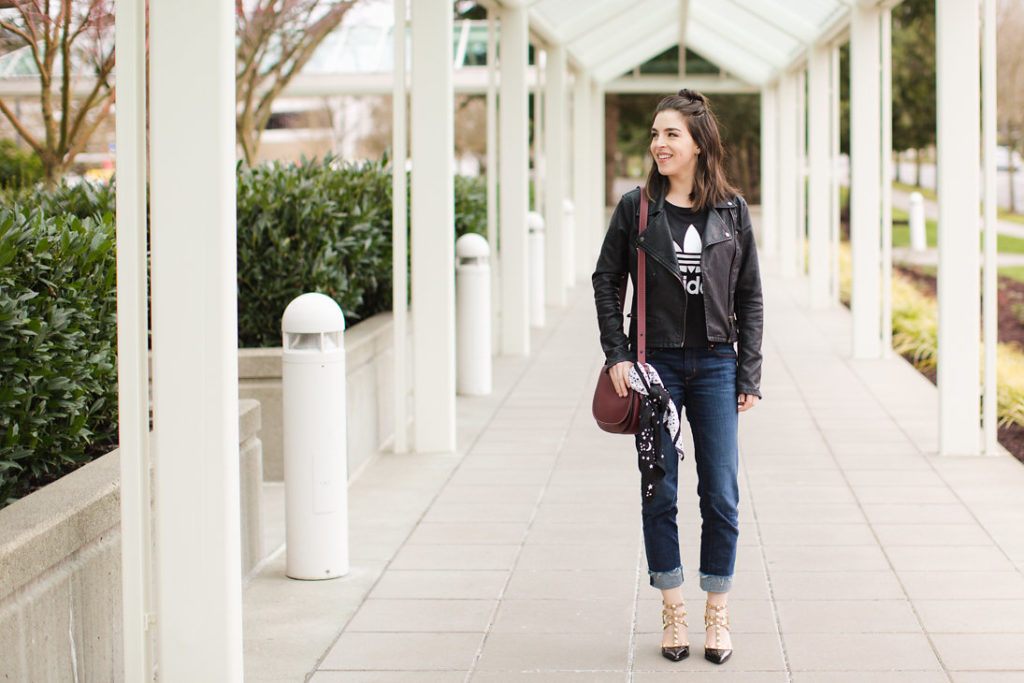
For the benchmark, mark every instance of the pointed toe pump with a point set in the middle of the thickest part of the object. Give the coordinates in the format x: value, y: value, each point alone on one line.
x: 674, y: 615
x: 717, y: 616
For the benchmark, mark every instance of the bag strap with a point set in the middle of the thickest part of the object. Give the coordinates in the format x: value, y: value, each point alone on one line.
x: 641, y: 277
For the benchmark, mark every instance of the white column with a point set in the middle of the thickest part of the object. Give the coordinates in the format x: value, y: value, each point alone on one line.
x: 582, y: 148
x: 493, y: 228
x: 865, y: 170
x: 789, y: 174
x: 514, y: 170
x: 769, y: 171
x: 834, y: 146
x: 885, y: 184
x: 958, y: 140
x: 819, y: 224
x: 132, y: 343
x: 800, y: 246
x: 556, y: 138
x: 539, y: 158
x: 195, y: 340
x: 598, y: 199
x: 989, y: 289
x: 433, y: 228
x: 400, y: 231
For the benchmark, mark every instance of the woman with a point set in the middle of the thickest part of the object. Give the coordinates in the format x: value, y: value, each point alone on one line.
x: 703, y: 296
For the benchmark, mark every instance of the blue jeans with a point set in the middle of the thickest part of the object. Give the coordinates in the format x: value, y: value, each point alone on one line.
x: 703, y: 382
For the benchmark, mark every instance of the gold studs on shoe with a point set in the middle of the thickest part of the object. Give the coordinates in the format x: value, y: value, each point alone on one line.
x: 674, y: 615
x: 718, y: 617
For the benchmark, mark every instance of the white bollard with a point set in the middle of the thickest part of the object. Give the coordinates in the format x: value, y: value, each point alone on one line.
x: 918, y: 242
x: 535, y: 225
x: 315, y: 451
x: 569, y: 242
x: 472, y: 316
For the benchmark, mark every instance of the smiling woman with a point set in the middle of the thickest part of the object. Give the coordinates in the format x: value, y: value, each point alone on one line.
x: 703, y: 326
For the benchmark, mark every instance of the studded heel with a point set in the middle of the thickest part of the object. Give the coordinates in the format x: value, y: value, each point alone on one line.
x: 717, y: 617
x: 674, y: 615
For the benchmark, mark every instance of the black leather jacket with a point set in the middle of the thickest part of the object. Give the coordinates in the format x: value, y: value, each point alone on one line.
x: 732, y: 284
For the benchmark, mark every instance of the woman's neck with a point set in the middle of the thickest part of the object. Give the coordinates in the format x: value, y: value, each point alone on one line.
x: 679, y: 190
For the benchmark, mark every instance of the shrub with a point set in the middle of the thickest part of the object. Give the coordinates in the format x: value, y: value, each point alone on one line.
x: 18, y: 167
x: 470, y: 206
x: 58, y: 384
x: 319, y: 226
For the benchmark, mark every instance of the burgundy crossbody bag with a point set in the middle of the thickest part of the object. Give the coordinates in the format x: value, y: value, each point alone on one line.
x: 612, y: 412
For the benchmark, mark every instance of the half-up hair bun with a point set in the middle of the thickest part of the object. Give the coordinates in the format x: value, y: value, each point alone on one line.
x: 692, y: 95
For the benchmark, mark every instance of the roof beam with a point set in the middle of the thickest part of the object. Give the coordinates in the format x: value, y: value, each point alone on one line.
x: 637, y: 52
x: 684, y: 16
x: 780, y: 17
x: 613, y: 38
x: 593, y: 18
x: 717, y: 46
x: 705, y: 83
x: 742, y: 38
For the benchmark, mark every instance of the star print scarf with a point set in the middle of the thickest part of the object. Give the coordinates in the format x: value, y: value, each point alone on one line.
x: 656, y: 411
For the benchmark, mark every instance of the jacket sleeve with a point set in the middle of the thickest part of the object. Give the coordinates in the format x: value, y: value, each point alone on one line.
x: 749, y: 304
x: 611, y: 271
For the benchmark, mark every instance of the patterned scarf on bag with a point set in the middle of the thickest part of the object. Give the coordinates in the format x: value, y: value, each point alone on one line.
x: 656, y: 411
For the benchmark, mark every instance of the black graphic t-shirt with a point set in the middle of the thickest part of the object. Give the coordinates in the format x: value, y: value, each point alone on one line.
x: 687, y: 228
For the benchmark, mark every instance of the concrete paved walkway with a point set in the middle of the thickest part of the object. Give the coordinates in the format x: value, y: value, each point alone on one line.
x: 863, y: 555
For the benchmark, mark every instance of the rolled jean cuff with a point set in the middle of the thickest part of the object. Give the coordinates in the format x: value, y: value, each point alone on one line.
x: 666, y: 580
x: 715, y: 584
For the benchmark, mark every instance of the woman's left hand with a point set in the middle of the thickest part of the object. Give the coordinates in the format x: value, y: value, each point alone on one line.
x: 745, y: 402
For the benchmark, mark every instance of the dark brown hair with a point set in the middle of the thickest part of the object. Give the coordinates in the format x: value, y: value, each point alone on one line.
x: 710, y: 185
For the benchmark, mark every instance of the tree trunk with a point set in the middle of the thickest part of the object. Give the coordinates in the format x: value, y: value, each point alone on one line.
x: 917, y: 163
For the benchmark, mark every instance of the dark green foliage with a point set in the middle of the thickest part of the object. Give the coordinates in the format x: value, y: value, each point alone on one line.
x: 913, y: 74
x: 470, y: 206
x: 18, y: 167
x: 319, y: 226
x: 84, y: 200
x: 58, y: 382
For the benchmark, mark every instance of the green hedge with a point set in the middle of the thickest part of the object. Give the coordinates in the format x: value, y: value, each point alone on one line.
x: 317, y: 226
x: 323, y: 226
x: 18, y: 167
x: 58, y: 394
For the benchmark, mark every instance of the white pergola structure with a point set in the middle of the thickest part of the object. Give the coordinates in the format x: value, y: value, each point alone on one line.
x: 784, y: 49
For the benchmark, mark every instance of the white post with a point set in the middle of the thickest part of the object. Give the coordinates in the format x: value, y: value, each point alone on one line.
x: 433, y: 228
x: 957, y: 65
x: 865, y: 212
x: 473, y: 375
x: 769, y: 170
x: 132, y: 343
x: 819, y: 225
x: 989, y: 296
x: 582, y: 148
x: 598, y: 199
x: 514, y: 166
x: 400, y: 233
x: 885, y: 320
x: 788, y: 175
x: 800, y: 245
x: 539, y: 125
x: 493, y: 228
x: 555, y: 172
x: 195, y: 340
x: 836, y: 209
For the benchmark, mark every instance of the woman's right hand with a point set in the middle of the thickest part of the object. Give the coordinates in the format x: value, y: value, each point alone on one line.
x: 620, y: 377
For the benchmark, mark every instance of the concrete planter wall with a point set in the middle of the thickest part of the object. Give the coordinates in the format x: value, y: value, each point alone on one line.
x: 60, y: 568
x: 369, y: 348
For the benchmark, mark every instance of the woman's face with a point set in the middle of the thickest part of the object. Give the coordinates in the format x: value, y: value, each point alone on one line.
x: 673, y: 149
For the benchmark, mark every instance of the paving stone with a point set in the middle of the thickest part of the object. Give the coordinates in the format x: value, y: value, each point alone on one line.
x: 987, y: 615
x: 418, y: 651
x: 847, y: 616
x: 866, y: 652
x: 554, y: 652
